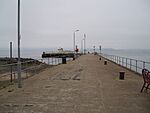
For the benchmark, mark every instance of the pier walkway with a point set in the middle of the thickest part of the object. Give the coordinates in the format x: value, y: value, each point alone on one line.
x: 85, y: 85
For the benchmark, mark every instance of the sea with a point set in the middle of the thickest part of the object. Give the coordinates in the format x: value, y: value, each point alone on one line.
x: 34, y: 54
x: 137, y: 54
x: 141, y: 58
x: 26, y: 53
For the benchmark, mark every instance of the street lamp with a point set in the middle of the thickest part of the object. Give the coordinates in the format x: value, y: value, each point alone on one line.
x: 82, y: 46
x: 94, y: 49
x: 74, y: 44
x: 84, y: 43
x: 19, y: 36
x: 100, y: 48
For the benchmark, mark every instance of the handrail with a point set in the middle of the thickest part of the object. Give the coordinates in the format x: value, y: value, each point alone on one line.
x: 10, y: 69
x: 130, y: 63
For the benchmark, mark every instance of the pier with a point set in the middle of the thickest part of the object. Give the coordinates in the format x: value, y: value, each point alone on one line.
x: 84, y: 85
x: 58, y: 55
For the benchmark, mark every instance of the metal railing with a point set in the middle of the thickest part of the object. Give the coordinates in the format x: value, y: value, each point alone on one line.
x: 132, y: 64
x: 8, y: 72
x: 54, y: 61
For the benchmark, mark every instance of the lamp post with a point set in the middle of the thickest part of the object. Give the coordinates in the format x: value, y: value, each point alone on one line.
x: 82, y: 46
x: 19, y: 36
x: 11, y: 61
x: 94, y: 49
x: 74, y: 44
x: 84, y: 43
x: 100, y: 48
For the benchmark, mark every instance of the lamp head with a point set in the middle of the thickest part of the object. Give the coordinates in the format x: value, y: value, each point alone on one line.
x: 76, y: 30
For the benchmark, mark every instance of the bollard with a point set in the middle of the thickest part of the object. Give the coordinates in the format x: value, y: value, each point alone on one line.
x: 100, y: 58
x: 105, y: 62
x: 121, y: 75
x: 73, y: 58
x: 64, y: 60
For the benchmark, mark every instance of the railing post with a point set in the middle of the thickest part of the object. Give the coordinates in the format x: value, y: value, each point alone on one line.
x: 48, y: 61
x: 55, y: 61
x: 122, y: 61
x: 126, y: 62
x: 130, y: 63
x: 14, y: 77
x: 119, y: 60
x: 136, y: 65
x: 116, y: 59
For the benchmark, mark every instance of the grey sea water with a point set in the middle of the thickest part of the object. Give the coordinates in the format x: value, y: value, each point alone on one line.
x: 139, y: 54
x: 25, y: 53
x: 33, y: 53
x: 141, y: 58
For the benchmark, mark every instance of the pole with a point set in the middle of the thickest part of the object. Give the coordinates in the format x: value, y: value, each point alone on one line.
x: 81, y: 46
x: 74, y: 41
x: 94, y: 49
x: 84, y: 43
x: 19, y: 36
x: 48, y: 61
x: 74, y: 44
x: 100, y: 48
x: 10, y: 61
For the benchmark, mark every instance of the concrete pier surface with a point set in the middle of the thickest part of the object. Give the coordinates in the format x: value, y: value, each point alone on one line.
x: 85, y: 85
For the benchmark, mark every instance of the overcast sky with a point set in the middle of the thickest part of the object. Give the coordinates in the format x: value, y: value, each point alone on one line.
x: 120, y: 24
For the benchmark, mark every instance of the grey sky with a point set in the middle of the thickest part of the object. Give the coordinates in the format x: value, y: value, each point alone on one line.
x: 120, y: 24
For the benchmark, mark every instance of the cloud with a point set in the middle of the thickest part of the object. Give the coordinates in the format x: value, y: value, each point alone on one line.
x: 52, y: 22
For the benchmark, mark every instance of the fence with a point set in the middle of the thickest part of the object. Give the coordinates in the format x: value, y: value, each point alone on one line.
x: 8, y: 72
x: 132, y: 64
x: 54, y: 61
